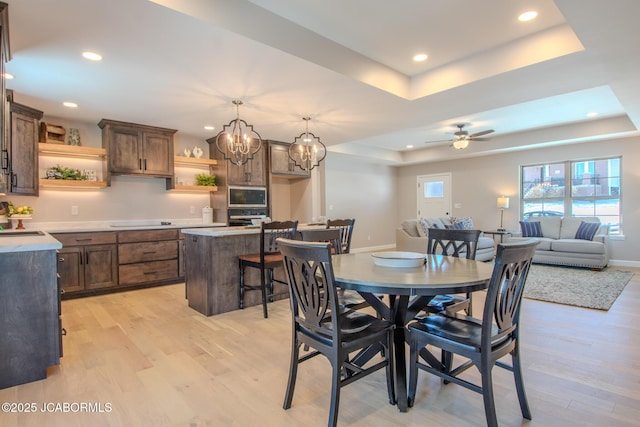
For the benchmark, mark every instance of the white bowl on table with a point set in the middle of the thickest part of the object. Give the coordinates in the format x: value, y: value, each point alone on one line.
x: 398, y: 259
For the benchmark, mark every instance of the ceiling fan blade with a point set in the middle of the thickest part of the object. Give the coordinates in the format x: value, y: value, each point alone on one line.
x: 478, y: 139
x: 484, y: 132
x: 440, y: 140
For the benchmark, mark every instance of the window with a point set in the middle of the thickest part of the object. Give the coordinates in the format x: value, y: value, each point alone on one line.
x: 574, y: 188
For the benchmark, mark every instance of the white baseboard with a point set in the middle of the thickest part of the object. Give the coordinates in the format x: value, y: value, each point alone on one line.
x: 623, y: 263
x: 373, y: 248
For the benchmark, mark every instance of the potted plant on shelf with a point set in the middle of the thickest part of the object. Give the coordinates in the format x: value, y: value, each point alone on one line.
x: 205, y: 179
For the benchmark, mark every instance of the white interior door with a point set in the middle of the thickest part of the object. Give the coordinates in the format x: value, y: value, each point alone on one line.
x: 434, y: 195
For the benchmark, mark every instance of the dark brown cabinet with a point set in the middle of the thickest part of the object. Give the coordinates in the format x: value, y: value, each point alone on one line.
x: 252, y: 173
x: 138, y: 149
x: 5, y: 56
x: 30, y: 332
x: 280, y: 162
x: 87, y: 261
x: 148, y: 256
x: 23, y: 149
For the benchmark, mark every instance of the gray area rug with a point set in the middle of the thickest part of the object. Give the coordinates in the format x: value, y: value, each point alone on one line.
x: 576, y: 286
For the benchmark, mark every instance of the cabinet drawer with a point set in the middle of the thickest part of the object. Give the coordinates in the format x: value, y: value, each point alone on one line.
x: 147, y: 235
x: 80, y: 239
x: 148, y: 251
x: 148, y: 271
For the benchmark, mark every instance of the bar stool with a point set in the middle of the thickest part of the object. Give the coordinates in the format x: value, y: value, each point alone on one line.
x: 266, y: 260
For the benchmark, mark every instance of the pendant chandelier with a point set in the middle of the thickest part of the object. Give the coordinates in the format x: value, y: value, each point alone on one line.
x: 307, y: 151
x: 237, y: 141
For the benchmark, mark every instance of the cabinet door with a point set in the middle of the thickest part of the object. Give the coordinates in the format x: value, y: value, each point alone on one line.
x: 24, y: 150
x: 70, y: 268
x: 100, y: 267
x: 157, y: 154
x: 125, y: 154
x: 281, y: 163
x: 251, y: 173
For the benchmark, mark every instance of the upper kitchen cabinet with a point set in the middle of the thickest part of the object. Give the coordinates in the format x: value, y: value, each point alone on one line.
x: 280, y: 162
x: 134, y: 149
x: 252, y: 173
x: 22, y: 151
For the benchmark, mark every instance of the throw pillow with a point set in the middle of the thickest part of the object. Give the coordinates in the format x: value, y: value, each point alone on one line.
x: 423, y: 227
x: 467, y: 223
x: 587, y: 230
x: 455, y: 226
x: 531, y: 228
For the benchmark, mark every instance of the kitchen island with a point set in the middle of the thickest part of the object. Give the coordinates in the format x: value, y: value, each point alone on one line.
x: 211, y: 268
x: 30, y: 332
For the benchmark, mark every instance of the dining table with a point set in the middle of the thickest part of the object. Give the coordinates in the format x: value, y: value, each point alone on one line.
x: 409, y: 290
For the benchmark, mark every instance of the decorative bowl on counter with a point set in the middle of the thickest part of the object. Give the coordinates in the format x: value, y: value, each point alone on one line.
x: 398, y: 259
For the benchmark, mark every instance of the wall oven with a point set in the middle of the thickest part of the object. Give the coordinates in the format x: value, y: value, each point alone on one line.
x: 245, y: 204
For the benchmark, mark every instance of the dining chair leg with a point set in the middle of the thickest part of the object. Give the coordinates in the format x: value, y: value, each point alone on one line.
x: 413, y: 370
x: 241, y: 286
x: 263, y: 288
x: 447, y: 362
x: 336, y: 374
x: 293, y: 373
x: 391, y: 386
x: 487, y: 394
x: 517, y: 374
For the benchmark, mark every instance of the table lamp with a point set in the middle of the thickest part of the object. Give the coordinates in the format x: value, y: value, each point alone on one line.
x: 503, y: 203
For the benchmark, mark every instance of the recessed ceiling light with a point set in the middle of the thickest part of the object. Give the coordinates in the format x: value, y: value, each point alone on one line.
x: 91, y: 56
x: 209, y: 127
x: 70, y: 104
x: 8, y: 76
x: 420, y: 57
x: 592, y: 114
x: 527, y: 16
x: 409, y: 147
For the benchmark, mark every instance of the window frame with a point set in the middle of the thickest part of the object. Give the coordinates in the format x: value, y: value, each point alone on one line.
x: 550, y: 193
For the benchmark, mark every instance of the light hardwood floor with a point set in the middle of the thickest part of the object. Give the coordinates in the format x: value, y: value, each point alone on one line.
x: 156, y: 362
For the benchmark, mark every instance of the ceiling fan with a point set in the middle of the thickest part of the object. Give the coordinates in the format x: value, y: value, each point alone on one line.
x: 461, y: 137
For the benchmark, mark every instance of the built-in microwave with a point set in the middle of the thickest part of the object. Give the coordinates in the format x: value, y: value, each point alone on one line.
x: 247, y: 197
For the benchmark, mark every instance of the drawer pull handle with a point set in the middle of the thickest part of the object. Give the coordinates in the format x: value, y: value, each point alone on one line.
x: 84, y: 240
x: 149, y: 253
x: 149, y: 272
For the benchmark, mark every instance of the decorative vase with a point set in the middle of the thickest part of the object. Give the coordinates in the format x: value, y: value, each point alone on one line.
x: 197, y: 152
x: 74, y: 136
x: 187, y: 152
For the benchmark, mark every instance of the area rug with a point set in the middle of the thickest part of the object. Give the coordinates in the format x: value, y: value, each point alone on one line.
x: 576, y: 286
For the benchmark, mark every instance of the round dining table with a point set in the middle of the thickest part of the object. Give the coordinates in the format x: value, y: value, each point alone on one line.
x: 409, y: 290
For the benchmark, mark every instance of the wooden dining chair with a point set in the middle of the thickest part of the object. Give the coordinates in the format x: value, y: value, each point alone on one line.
x: 458, y: 243
x: 266, y: 260
x: 319, y: 323
x: 346, y: 231
x: 481, y: 341
x: 330, y: 235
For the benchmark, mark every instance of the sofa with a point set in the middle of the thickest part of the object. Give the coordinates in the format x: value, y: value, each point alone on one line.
x: 411, y: 236
x: 566, y: 241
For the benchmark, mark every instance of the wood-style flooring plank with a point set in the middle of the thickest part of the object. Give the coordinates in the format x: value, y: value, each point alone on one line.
x: 157, y: 362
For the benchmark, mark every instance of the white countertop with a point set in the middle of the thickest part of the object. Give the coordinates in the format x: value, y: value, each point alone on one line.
x: 10, y: 241
x: 233, y: 231
x: 89, y: 226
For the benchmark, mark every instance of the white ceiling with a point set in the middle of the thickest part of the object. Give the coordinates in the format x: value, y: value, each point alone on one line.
x: 347, y: 64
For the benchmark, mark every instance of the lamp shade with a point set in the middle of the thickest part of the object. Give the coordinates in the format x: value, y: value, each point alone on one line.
x: 503, y: 202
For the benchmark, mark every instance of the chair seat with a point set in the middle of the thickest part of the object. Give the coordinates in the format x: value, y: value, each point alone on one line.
x: 355, y: 325
x: 270, y: 260
x: 461, y: 329
x: 441, y: 302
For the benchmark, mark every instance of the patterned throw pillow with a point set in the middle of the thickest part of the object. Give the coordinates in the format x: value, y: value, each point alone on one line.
x: 531, y: 228
x: 423, y: 227
x: 467, y: 223
x: 455, y: 226
x: 587, y: 230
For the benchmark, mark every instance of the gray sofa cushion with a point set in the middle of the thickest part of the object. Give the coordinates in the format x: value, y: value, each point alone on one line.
x: 577, y: 246
x: 410, y: 226
x: 551, y: 226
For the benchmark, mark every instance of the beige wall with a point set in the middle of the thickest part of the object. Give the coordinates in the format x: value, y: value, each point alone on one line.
x: 477, y: 182
x: 365, y: 191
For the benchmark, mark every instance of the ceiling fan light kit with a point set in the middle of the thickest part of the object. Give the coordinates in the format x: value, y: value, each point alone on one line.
x: 461, y: 137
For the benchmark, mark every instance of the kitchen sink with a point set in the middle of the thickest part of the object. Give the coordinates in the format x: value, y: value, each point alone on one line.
x: 21, y: 233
